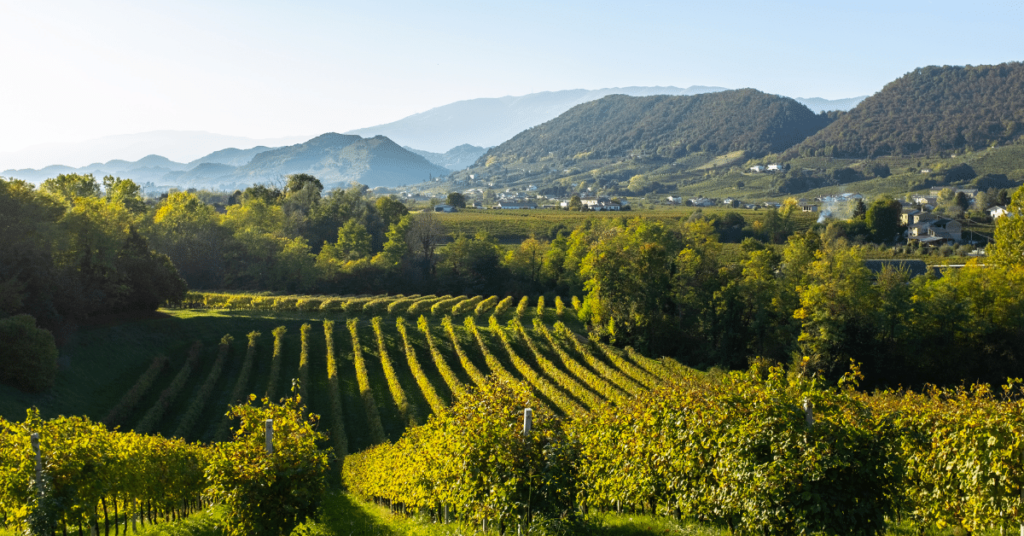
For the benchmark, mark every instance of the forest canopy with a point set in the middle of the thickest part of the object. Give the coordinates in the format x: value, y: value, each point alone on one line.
x: 929, y: 110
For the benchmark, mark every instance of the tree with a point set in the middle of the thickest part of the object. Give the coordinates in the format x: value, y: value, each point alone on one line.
x: 300, y: 181
x: 353, y: 240
x: 883, y: 219
x: 124, y: 192
x: 423, y: 235
x: 859, y: 209
x: 836, y: 309
x: 879, y: 169
x: 1009, y: 236
x: 575, y: 203
x: 268, y: 194
x: 396, y: 248
x: 960, y: 200
x: 526, y: 261
x: 186, y: 229
x: 456, y: 199
x: 67, y: 188
x: 390, y: 209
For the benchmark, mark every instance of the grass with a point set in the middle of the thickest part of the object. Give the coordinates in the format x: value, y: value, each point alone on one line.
x: 342, y: 514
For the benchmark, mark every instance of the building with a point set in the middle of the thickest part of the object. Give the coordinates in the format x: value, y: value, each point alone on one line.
x: 515, y: 205
x: 775, y: 167
x: 600, y: 203
x: 998, y: 212
x: 809, y: 208
x: 444, y: 208
x: 757, y: 169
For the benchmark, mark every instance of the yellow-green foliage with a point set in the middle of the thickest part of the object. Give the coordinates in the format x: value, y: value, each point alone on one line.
x: 304, y: 362
x: 485, y: 305
x: 566, y: 404
x: 365, y: 391
x: 565, y: 381
x: 405, y: 407
x: 334, y: 389
x: 470, y: 368
x: 275, y: 360
x: 429, y: 393
x: 503, y: 306
x: 597, y: 383
x: 466, y: 305
x: 138, y: 473
x: 439, y: 360
x: 445, y: 306
x: 492, y: 361
x: 423, y: 306
x: 524, y: 303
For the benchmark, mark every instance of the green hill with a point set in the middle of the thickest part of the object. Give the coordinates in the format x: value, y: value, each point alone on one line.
x: 930, y: 110
x: 337, y: 159
x: 669, y: 127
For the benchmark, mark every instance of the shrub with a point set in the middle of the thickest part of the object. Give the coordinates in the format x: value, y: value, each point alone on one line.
x: 269, y: 493
x: 29, y: 357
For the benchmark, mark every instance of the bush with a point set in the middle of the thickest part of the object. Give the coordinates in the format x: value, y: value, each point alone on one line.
x: 269, y: 493
x: 29, y: 357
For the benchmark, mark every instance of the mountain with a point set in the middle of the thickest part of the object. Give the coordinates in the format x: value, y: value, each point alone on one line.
x: 455, y: 159
x: 179, y: 146
x: 929, y: 111
x: 668, y: 127
x: 230, y: 157
x: 337, y: 159
x: 818, y: 104
x: 490, y: 121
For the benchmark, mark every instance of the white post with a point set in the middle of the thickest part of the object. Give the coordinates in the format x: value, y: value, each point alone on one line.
x: 809, y: 413
x: 527, y: 421
x: 269, y: 432
x: 39, y: 463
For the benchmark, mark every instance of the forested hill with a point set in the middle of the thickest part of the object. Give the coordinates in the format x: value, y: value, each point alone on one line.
x: 929, y: 110
x: 668, y: 126
x: 337, y: 159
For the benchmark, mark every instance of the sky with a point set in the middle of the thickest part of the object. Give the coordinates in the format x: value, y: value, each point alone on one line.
x: 78, y: 70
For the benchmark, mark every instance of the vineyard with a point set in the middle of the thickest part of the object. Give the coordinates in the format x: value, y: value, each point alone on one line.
x: 421, y: 405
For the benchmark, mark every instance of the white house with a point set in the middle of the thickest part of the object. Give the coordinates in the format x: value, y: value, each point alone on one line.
x: 675, y: 199
x: 757, y: 169
x: 998, y: 212
x: 701, y: 202
x: 774, y: 167
x: 517, y: 205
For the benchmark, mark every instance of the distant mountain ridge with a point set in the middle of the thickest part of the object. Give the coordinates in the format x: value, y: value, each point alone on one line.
x: 176, y: 145
x: 488, y: 122
x: 335, y: 159
x: 455, y: 159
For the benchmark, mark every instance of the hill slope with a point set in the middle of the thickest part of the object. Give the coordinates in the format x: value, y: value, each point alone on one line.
x: 489, y: 121
x: 670, y: 127
x: 929, y: 110
x: 337, y: 159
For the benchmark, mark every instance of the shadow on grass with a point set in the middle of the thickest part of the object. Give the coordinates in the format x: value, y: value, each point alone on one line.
x: 342, y: 515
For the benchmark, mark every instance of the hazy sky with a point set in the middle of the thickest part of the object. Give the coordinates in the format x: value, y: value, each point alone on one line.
x: 76, y: 70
